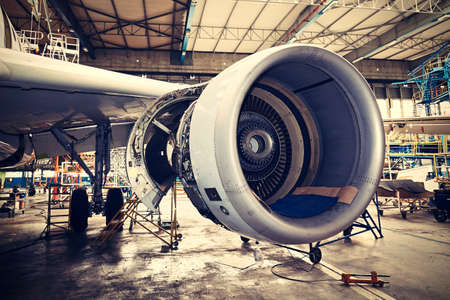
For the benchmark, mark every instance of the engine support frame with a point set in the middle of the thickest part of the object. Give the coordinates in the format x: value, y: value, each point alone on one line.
x: 315, y: 255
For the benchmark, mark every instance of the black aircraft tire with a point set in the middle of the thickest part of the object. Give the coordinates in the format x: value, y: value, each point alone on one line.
x: 31, y: 191
x: 404, y: 214
x: 244, y: 239
x: 440, y: 215
x: 79, y: 210
x: 315, y: 255
x: 348, y: 230
x: 114, y: 202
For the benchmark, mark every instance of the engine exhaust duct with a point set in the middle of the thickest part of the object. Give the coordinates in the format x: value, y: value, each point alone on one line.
x: 286, y: 145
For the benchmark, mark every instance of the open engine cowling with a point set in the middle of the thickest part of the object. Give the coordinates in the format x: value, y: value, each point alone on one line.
x: 286, y: 145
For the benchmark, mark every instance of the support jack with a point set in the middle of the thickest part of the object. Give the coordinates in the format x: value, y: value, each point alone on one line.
x: 365, y: 223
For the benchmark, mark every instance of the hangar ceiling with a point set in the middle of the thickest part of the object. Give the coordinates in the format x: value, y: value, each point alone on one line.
x: 357, y: 29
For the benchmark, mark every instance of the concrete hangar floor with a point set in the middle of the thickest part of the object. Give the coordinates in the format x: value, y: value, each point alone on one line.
x: 213, y: 263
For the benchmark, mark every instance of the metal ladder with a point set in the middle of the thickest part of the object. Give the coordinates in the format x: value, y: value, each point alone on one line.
x: 55, y: 221
x: 129, y: 210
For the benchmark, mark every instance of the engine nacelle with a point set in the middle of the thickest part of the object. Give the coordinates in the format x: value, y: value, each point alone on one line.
x: 286, y: 145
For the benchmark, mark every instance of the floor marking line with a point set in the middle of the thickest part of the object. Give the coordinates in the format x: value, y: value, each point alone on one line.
x: 367, y: 288
x: 416, y: 236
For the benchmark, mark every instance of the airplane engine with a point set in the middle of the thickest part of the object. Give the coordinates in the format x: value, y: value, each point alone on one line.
x: 286, y: 145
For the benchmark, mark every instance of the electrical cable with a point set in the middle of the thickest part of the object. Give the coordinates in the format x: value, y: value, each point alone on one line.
x: 235, y: 267
x: 301, y: 268
x: 298, y: 268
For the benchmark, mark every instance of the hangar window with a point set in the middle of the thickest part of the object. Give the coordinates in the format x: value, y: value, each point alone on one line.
x: 394, y: 93
x: 380, y: 92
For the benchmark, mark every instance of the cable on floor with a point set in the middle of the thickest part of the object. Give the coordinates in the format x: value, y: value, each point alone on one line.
x: 299, y: 268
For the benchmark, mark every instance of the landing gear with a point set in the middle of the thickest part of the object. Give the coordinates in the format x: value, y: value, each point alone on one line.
x: 440, y: 215
x: 31, y: 191
x: 79, y: 211
x: 315, y: 255
x: 403, y: 212
x: 114, y: 202
x: 348, y: 230
x: 244, y: 239
x: 102, y: 157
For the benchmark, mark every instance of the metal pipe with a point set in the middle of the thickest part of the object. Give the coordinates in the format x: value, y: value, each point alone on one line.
x: 187, y: 29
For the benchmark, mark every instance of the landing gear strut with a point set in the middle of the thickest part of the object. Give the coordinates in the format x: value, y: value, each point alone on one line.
x: 102, y: 162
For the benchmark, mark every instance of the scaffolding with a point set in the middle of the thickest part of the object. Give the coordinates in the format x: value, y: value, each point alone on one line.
x: 410, y: 151
x: 431, y: 79
x: 62, y: 47
x: 422, y: 159
x: 29, y: 40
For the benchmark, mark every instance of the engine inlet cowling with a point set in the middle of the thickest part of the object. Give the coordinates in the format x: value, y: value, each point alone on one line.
x: 286, y: 145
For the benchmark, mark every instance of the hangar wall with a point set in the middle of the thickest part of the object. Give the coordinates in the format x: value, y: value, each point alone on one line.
x: 393, y: 101
x: 159, y: 62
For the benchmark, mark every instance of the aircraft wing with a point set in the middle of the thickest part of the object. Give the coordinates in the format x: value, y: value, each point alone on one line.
x: 420, y: 125
x: 39, y: 92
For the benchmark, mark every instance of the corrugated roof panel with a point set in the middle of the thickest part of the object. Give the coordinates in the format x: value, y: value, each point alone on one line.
x: 403, y: 54
x: 139, y: 42
x: 378, y: 19
x: 204, y: 45
x: 292, y: 17
x: 116, y: 40
x: 244, y: 14
x: 436, y: 30
x: 331, y: 15
x: 216, y: 12
x: 132, y: 10
x: 353, y: 17
x: 226, y: 45
x: 387, y: 52
x: 266, y: 45
x: 272, y: 15
x: 248, y: 47
x: 160, y: 42
x: 157, y: 7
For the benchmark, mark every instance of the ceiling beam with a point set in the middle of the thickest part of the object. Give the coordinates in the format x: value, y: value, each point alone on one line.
x: 426, y: 52
x: 92, y: 23
x: 125, y: 23
x: 182, y: 3
x: 386, y: 5
x: 64, y: 11
x: 251, y: 26
x: 119, y: 23
x: 418, y: 43
x: 144, y: 6
x: 404, y: 29
x: 327, y: 28
x: 173, y: 24
x: 225, y: 26
x: 199, y: 24
x: 277, y: 26
x: 308, y: 16
x: 29, y: 14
